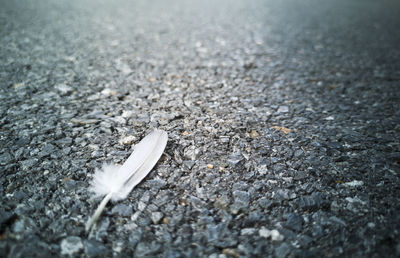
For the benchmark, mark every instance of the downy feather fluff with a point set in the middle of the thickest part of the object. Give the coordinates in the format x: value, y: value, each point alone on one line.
x: 115, y: 183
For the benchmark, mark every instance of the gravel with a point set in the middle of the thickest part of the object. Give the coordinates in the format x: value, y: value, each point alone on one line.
x: 283, y: 120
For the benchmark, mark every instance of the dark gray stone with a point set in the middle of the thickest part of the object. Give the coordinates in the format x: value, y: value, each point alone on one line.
x: 156, y: 217
x: 31, y: 246
x: 29, y: 163
x: 47, y: 150
x: 314, y: 201
x: 156, y: 183
x: 94, y: 248
x: 294, y: 222
x: 235, y: 158
x: 122, y: 210
x: 241, y: 198
x: 282, y: 251
x: 71, y: 245
x: 147, y: 249
x: 5, y: 158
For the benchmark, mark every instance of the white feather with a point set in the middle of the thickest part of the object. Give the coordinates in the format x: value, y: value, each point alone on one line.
x: 115, y: 183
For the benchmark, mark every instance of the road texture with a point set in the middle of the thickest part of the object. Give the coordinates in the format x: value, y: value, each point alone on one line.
x: 283, y: 120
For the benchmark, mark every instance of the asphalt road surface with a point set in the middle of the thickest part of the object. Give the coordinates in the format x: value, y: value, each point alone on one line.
x: 283, y: 120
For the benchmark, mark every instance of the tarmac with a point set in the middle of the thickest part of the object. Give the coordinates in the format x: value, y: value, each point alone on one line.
x: 283, y: 120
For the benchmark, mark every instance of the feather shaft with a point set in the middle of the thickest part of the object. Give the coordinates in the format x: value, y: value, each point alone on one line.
x: 98, y: 211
